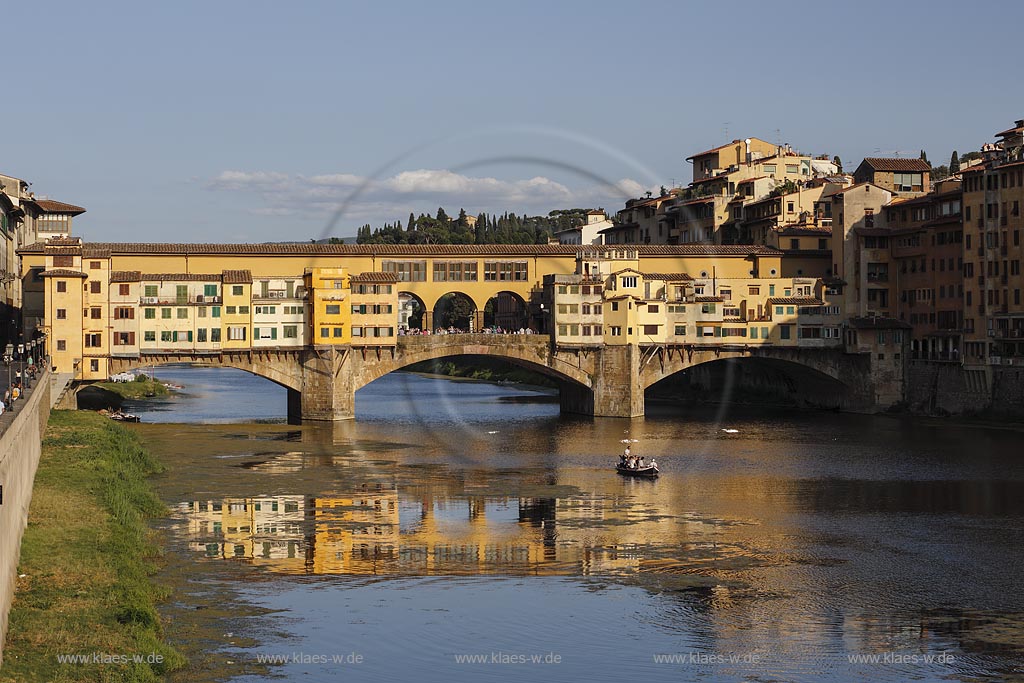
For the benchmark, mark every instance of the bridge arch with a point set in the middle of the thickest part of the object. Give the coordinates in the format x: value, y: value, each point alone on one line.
x: 506, y: 309
x: 411, y: 311
x: 528, y: 351
x: 813, y: 379
x: 456, y: 309
x: 280, y: 367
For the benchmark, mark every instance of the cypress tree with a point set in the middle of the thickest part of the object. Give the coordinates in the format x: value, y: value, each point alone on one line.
x: 954, y: 163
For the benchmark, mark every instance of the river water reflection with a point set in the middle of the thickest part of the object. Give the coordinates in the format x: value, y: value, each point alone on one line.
x: 460, y: 518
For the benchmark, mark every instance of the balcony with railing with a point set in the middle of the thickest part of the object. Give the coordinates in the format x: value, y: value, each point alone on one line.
x: 279, y: 294
x: 179, y: 300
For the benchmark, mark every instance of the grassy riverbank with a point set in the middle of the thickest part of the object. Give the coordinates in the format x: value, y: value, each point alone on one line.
x: 86, y: 558
x: 135, y: 390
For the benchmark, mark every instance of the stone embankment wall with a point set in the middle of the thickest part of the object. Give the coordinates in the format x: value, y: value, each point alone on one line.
x: 20, y: 446
x: 950, y: 389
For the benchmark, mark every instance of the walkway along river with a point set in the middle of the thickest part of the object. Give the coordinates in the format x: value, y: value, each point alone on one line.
x: 466, y: 531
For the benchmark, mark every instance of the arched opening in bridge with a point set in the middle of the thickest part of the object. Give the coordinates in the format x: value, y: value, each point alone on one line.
x: 197, y: 393
x: 411, y: 310
x: 455, y: 311
x: 750, y: 380
x: 506, y: 310
x: 436, y: 391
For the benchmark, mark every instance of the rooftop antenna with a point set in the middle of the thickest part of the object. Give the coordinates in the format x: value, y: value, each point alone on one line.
x: 725, y: 130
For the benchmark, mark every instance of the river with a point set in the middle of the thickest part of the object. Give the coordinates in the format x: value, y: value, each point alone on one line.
x: 465, y: 531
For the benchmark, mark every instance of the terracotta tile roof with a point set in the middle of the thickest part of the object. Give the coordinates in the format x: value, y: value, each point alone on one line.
x: 875, y: 323
x: 750, y: 180
x: 819, y: 230
x: 667, y: 277
x: 428, y: 250
x: 63, y: 272
x: 707, y: 299
x: 795, y: 301
x: 237, y: 277
x: 53, y: 206
x: 92, y: 251
x: 375, y: 277
x: 175, y: 277
x: 698, y: 200
x: 887, y: 164
x: 125, y: 276
x: 63, y: 251
x: 722, y: 177
x: 63, y: 241
x: 1010, y: 131
x: 714, y: 149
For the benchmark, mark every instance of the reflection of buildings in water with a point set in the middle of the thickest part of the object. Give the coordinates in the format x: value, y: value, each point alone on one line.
x: 266, y: 529
x: 376, y: 530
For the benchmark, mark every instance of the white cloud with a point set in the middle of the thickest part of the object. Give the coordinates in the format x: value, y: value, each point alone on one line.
x: 362, y: 200
x: 247, y: 180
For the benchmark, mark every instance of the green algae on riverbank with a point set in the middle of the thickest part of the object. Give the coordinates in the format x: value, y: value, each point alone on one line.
x: 84, y: 592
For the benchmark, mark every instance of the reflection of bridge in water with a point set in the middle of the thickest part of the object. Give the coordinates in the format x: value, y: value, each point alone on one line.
x: 380, y: 530
x: 594, y: 380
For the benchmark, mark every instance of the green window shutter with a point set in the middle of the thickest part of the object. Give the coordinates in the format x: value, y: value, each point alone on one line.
x: 190, y: 335
x: 273, y: 333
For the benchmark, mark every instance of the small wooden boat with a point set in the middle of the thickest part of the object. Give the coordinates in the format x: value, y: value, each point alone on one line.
x: 124, y: 417
x: 648, y: 472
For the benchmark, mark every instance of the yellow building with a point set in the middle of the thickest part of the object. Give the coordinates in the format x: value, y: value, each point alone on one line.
x: 123, y: 300
x: 651, y: 309
x: 374, y: 308
x: 330, y: 312
x: 64, y: 291
x: 236, y: 321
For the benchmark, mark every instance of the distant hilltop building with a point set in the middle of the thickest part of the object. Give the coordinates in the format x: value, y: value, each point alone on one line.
x: 903, y: 176
x: 589, y: 233
x: 732, y: 199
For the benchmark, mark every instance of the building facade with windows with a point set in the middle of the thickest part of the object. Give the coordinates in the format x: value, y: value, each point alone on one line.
x: 993, y: 192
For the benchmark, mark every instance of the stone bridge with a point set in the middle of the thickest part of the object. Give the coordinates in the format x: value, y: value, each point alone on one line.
x: 597, y: 380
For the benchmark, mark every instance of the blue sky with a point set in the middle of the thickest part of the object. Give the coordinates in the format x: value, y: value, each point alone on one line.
x: 253, y: 121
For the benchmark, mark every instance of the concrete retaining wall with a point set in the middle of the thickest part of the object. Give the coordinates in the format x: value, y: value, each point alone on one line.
x: 20, y: 446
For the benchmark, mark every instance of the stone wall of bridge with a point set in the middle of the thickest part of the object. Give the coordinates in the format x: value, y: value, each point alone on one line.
x: 605, y: 381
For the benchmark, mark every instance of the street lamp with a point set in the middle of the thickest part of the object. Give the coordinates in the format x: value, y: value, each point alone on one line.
x: 21, y: 353
x: 8, y: 357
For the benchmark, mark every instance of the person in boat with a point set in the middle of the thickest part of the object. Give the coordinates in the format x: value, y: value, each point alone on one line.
x: 653, y: 463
